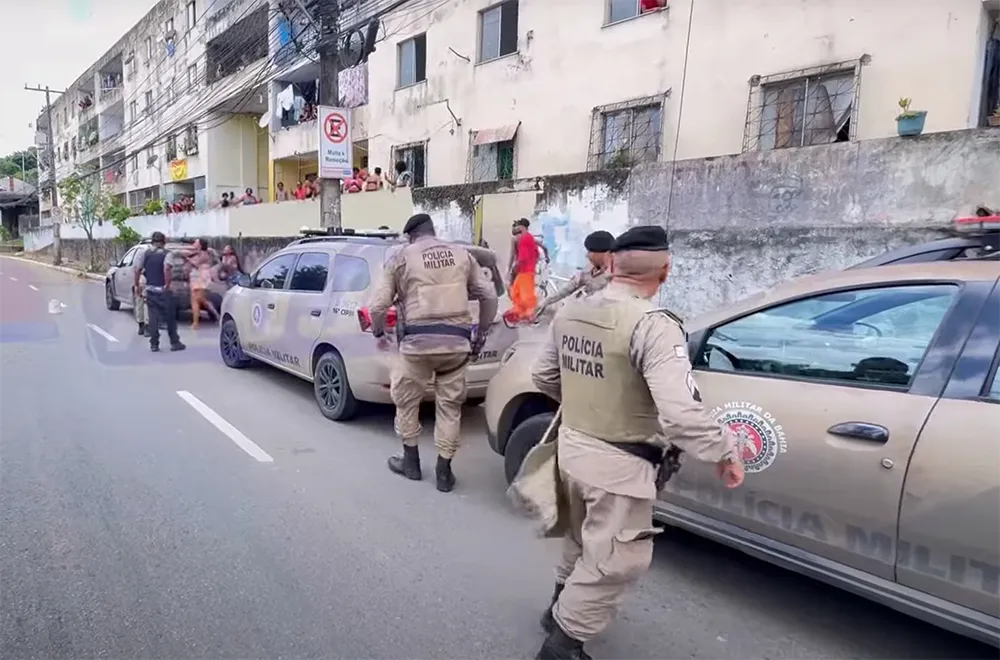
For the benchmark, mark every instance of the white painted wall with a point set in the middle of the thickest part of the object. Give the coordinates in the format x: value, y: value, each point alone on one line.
x: 569, y: 62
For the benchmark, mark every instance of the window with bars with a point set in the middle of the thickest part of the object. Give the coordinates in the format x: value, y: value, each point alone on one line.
x: 492, y: 162
x: 412, y: 61
x: 498, y: 31
x: 626, y: 134
x: 806, y: 111
x: 192, y: 15
x: 148, y: 108
x: 415, y: 157
x: 192, y: 76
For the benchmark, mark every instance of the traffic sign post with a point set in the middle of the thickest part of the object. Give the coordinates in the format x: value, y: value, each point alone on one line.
x: 335, y: 143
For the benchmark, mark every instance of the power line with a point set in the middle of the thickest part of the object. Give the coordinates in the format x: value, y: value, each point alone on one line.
x: 680, y: 112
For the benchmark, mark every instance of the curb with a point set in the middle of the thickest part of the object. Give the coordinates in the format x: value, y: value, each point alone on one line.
x: 64, y: 269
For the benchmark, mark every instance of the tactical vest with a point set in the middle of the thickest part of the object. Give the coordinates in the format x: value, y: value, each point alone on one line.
x: 435, y: 290
x: 152, y: 267
x: 603, y: 395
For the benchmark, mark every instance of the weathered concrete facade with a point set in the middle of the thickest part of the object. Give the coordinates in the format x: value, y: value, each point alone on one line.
x: 738, y: 224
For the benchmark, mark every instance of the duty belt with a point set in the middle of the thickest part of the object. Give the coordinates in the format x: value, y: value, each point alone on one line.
x: 156, y: 289
x: 666, y: 462
x: 437, y: 329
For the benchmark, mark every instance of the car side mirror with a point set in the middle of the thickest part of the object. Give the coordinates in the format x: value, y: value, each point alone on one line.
x: 243, y: 280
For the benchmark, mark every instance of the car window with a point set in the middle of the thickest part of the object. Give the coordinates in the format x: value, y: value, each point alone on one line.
x: 274, y: 273
x: 350, y: 273
x: 129, y: 257
x: 875, y: 336
x: 311, y: 272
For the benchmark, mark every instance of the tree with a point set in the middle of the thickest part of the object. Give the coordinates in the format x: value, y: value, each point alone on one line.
x: 11, y: 165
x: 86, y: 203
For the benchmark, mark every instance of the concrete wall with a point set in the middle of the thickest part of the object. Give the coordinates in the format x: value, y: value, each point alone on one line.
x: 738, y: 224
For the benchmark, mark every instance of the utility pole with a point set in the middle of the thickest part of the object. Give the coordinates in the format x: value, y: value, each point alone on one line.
x: 327, y: 16
x: 56, y: 230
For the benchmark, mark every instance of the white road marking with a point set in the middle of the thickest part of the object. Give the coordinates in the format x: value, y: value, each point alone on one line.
x: 228, y: 429
x: 33, y: 287
x: 104, y: 333
x: 13, y: 279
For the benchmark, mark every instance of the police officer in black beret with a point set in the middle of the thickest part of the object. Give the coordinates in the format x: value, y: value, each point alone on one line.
x: 431, y: 282
x: 598, y: 246
x: 619, y: 367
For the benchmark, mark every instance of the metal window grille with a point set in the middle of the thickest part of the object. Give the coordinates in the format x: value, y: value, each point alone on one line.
x: 490, y: 162
x: 804, y: 107
x: 415, y: 157
x: 626, y: 134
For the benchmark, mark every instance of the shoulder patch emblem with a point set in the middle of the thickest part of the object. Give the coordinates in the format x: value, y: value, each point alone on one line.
x: 670, y: 315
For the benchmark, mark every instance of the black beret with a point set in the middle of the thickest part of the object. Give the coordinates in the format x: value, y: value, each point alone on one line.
x: 415, y: 222
x: 599, y: 241
x: 648, y: 238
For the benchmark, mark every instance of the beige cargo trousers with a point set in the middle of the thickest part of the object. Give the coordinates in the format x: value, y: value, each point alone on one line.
x: 139, y: 309
x: 609, y: 542
x: 412, y: 375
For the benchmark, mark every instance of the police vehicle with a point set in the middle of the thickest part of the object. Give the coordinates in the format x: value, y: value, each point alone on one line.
x: 303, y: 310
x: 867, y: 407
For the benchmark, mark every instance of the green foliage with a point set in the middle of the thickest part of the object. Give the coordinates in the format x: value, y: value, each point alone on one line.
x: 126, y: 235
x: 11, y: 165
x: 4, y: 234
x: 904, y: 106
x: 152, y: 207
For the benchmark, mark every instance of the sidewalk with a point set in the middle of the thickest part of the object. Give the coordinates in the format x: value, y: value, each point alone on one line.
x: 44, y: 260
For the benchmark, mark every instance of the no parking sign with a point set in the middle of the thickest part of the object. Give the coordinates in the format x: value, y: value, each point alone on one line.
x: 335, y: 144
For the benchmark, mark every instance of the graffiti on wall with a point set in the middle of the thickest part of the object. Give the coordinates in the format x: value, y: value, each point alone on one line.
x: 564, y: 227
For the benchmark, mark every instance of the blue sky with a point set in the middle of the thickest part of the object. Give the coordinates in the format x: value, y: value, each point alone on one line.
x: 51, y: 42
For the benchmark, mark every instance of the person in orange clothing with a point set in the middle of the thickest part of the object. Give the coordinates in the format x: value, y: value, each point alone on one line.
x: 522, y: 288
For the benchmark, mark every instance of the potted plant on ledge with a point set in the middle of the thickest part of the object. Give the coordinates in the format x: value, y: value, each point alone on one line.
x: 909, y: 122
x: 994, y: 119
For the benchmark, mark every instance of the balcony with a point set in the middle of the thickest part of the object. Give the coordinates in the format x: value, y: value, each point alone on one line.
x: 303, y: 138
x: 224, y: 14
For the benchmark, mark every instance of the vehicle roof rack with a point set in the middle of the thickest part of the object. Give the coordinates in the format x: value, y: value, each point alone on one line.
x: 170, y: 239
x: 342, y: 233
x: 975, y: 238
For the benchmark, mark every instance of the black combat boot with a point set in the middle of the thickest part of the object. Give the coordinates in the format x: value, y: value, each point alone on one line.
x: 177, y: 347
x: 548, y: 623
x: 560, y: 646
x: 445, y: 477
x: 142, y: 329
x: 407, y: 463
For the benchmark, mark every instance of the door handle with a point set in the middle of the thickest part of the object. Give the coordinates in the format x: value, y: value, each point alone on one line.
x: 315, y: 312
x: 270, y: 305
x: 860, y: 431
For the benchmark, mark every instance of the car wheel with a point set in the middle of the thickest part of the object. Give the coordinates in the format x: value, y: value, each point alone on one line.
x: 109, y: 298
x: 229, y: 346
x: 333, y: 393
x: 525, y: 436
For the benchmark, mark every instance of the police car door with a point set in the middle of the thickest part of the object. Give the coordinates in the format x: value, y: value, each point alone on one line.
x: 823, y: 393
x: 264, y: 327
x: 306, y: 310
x: 124, y: 275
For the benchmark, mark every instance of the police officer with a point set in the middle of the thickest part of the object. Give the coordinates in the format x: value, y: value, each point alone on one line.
x: 620, y: 368
x: 595, y: 278
x: 431, y: 282
x: 160, y: 302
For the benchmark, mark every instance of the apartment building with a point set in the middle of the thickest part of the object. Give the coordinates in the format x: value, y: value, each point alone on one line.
x: 172, y: 108
x: 477, y: 90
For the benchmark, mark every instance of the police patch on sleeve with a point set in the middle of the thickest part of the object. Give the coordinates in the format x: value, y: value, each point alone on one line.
x: 680, y: 351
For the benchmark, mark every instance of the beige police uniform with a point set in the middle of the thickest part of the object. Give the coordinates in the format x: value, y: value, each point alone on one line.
x: 139, y: 307
x: 620, y: 368
x: 431, y: 281
x: 585, y: 282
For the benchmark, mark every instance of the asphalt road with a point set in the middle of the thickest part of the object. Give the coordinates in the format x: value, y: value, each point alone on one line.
x: 134, y: 523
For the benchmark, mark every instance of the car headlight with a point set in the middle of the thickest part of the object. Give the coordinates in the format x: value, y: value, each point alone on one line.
x: 507, y: 355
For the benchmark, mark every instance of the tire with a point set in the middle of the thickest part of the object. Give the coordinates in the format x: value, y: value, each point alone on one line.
x: 109, y: 297
x: 525, y: 436
x: 332, y: 390
x: 229, y: 347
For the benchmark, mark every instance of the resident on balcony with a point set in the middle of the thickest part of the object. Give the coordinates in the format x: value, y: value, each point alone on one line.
x: 308, y: 113
x: 248, y: 198
x: 301, y: 191
x: 87, y: 101
x: 404, y: 178
x: 353, y: 185
x: 374, y: 181
x: 281, y: 195
x: 225, y: 200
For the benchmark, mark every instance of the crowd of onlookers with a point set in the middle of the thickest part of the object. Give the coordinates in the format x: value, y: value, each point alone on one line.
x: 361, y: 180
